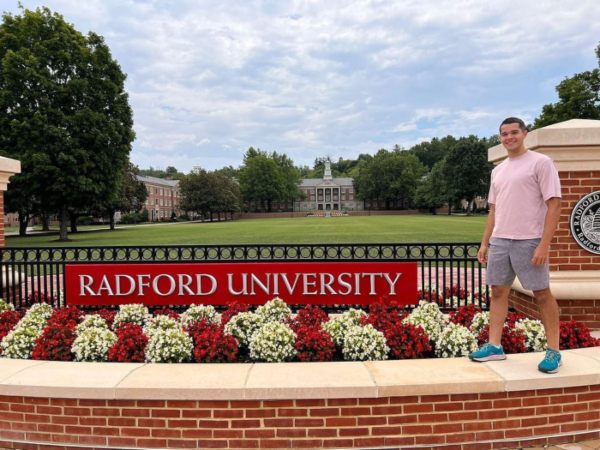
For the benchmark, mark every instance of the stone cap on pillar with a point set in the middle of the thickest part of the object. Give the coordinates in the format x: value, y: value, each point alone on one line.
x: 8, y: 167
x: 572, y: 145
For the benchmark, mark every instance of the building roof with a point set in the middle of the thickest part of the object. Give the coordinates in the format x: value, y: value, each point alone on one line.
x: 159, y: 181
x: 311, y: 182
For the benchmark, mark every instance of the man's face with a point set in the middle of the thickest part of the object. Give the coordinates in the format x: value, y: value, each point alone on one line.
x: 512, y: 137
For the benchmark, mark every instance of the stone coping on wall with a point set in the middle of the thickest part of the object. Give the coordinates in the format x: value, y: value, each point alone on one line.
x: 266, y: 381
x: 570, y: 284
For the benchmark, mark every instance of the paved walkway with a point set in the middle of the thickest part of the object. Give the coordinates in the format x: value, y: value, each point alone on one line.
x: 31, y: 232
x: 584, y: 445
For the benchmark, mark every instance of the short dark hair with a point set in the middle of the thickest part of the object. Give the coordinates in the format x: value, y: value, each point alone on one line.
x: 510, y: 120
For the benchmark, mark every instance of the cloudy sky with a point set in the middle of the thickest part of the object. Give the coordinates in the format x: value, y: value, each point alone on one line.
x: 208, y: 79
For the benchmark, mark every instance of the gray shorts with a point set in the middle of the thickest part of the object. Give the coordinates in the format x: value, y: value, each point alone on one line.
x: 508, y: 258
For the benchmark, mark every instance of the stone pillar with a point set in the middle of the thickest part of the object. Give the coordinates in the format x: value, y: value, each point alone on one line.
x: 574, y: 146
x: 8, y: 167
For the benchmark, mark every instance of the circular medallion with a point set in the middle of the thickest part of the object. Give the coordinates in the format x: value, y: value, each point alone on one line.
x: 585, y: 222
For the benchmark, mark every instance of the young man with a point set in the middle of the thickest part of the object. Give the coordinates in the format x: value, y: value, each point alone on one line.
x: 524, y: 201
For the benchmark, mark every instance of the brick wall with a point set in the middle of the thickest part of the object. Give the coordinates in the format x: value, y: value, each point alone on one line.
x: 584, y: 311
x: 493, y: 420
x: 565, y: 253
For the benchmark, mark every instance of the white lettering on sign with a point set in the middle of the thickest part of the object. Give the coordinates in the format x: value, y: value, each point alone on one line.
x: 204, y: 284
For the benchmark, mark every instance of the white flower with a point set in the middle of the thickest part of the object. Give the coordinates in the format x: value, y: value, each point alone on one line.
x: 364, y: 344
x: 480, y: 320
x: 275, y: 310
x: 134, y: 313
x: 195, y: 313
x: 535, y: 335
x: 455, y: 340
x: 429, y: 317
x: 169, y: 346
x: 339, y: 326
x: 20, y: 341
x: 160, y: 323
x: 273, y: 342
x: 5, y: 306
x: 242, y: 325
x: 91, y: 321
x: 92, y: 344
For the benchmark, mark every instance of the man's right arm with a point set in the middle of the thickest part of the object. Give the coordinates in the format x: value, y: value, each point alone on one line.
x: 487, y: 234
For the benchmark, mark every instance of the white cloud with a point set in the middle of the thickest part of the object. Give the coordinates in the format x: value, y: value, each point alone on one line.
x: 209, y: 79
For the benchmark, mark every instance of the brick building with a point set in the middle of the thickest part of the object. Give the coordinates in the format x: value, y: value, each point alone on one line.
x: 328, y: 194
x: 163, y: 197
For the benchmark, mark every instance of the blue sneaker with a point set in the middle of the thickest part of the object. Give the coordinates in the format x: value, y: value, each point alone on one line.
x: 551, y: 362
x: 488, y: 352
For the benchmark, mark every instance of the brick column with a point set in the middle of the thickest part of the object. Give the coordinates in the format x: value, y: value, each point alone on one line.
x: 574, y: 146
x: 8, y: 167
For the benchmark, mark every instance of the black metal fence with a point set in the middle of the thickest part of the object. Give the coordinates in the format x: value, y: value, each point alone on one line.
x: 448, y: 273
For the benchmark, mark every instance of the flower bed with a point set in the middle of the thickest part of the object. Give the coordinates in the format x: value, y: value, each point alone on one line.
x: 270, y: 334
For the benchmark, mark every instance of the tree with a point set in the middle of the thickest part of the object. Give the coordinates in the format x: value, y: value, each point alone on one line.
x: 467, y: 170
x: 265, y: 178
x: 579, y: 98
x: 131, y: 195
x: 260, y: 181
x: 63, y: 113
x: 208, y: 192
x: 391, y: 177
x: 289, y: 177
x: 432, y: 191
x: 430, y: 152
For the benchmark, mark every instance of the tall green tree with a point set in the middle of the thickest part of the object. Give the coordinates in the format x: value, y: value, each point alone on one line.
x: 289, y: 177
x: 431, y: 152
x: 64, y: 114
x: 266, y: 178
x: 432, y: 191
x: 467, y: 170
x: 391, y: 177
x: 260, y: 180
x: 131, y: 195
x: 206, y: 193
x: 579, y: 98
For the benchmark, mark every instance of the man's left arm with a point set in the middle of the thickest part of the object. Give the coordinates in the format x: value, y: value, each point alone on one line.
x: 540, y: 256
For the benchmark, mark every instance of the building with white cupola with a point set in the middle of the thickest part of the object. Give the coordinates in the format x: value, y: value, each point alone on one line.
x: 328, y: 194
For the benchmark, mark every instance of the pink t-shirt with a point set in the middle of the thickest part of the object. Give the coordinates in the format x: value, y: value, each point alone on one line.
x: 519, y: 189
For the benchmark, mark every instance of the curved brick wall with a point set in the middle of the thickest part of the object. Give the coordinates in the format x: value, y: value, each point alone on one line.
x: 449, y: 403
x: 495, y: 420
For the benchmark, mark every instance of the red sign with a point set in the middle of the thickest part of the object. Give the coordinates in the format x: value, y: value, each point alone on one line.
x: 253, y: 283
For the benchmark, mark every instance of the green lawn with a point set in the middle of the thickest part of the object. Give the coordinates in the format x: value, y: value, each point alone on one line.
x: 364, y: 229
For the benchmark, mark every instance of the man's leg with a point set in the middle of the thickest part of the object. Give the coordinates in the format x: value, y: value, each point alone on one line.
x: 492, y: 350
x: 498, y: 312
x: 550, y: 316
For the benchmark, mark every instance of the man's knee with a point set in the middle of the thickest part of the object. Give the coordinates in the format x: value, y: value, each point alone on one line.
x: 543, y: 295
x: 500, y: 291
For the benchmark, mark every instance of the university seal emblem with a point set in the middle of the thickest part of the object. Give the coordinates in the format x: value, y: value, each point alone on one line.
x: 585, y: 222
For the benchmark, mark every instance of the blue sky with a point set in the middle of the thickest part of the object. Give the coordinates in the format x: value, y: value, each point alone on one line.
x: 208, y: 79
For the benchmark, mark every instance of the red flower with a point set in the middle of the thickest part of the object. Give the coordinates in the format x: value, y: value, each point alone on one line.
x: 463, y: 315
x: 404, y: 340
x: 513, y: 340
x: 108, y: 315
x: 8, y: 320
x: 232, y: 309
x: 308, y: 317
x: 576, y: 335
x: 130, y: 346
x: 211, y: 344
x: 58, y: 335
x: 313, y: 343
x: 167, y: 312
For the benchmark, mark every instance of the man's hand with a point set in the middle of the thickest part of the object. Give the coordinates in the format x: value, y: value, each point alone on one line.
x: 482, y: 254
x: 540, y: 256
